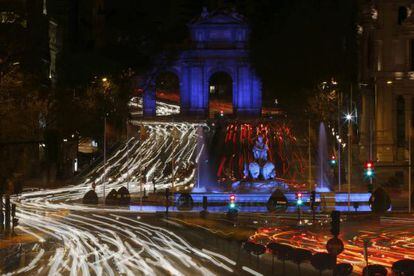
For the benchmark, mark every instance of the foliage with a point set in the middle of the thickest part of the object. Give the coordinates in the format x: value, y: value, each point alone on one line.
x: 23, y: 107
x: 322, y: 104
x: 343, y: 269
x: 403, y: 267
x: 380, y: 201
x: 322, y: 261
x: 377, y: 270
x: 90, y: 198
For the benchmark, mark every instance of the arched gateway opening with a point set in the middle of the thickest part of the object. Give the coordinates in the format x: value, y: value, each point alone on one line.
x: 220, y: 94
x: 167, y: 94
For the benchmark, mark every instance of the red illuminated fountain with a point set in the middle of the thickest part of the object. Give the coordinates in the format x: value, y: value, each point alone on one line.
x: 254, y: 157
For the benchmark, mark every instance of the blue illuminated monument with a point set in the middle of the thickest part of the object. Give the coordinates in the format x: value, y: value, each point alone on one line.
x: 219, y: 44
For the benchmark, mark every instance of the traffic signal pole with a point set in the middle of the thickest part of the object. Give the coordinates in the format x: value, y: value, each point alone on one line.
x: 409, y: 167
x: 7, y: 214
x: 349, y: 164
x: 1, y: 214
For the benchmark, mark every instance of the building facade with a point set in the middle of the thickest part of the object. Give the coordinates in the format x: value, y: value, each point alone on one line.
x: 386, y: 75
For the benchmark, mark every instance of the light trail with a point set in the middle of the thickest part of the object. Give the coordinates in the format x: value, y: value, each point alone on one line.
x: 388, y: 244
x: 81, y: 240
x: 151, y: 157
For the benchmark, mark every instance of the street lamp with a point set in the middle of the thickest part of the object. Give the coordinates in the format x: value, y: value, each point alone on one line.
x: 349, y: 118
x: 104, y: 82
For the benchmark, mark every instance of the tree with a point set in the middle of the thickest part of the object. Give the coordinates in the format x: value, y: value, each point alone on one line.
x: 322, y: 104
x: 23, y: 105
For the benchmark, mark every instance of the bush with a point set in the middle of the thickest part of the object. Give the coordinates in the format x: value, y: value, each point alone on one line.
x: 343, y: 269
x: 323, y: 261
x: 282, y: 251
x: 124, y: 196
x: 90, y: 198
x: 374, y: 270
x: 403, y: 267
x: 112, y: 197
x: 380, y: 201
x: 185, y: 202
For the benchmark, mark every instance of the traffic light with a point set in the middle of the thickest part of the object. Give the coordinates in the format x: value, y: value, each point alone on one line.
x: 13, y: 210
x: 312, y: 198
x: 333, y: 161
x: 299, y: 200
x: 232, y: 203
x: 205, y: 202
x: 335, y: 223
x: 369, y: 169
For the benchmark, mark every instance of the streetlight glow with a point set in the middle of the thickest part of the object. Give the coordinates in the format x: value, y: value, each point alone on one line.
x: 348, y: 117
x: 104, y: 79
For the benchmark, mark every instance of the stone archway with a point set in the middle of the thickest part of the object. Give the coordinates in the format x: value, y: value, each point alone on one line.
x: 220, y: 94
x: 219, y: 43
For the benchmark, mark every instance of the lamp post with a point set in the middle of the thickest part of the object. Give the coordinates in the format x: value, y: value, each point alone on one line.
x: 127, y: 139
x: 309, y: 157
x: 348, y: 118
x: 339, y: 143
x: 174, y: 135
x: 409, y: 167
x: 104, y: 84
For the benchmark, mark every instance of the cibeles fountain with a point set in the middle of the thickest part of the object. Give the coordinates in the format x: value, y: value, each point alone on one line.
x: 261, y: 174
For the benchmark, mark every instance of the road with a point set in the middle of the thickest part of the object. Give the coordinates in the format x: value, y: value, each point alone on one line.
x: 96, y: 241
x: 388, y: 242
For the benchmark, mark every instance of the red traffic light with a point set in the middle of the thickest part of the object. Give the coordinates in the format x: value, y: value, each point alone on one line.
x: 369, y: 165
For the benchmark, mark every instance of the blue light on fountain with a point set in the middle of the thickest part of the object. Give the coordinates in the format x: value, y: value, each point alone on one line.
x: 323, y: 184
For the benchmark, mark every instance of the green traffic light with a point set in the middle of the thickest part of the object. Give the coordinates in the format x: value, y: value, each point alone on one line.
x: 369, y: 173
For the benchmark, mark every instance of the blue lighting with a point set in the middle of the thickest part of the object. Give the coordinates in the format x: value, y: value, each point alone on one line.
x: 223, y: 198
x: 220, y: 42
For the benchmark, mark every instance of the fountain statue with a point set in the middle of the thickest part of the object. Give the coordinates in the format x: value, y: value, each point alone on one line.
x: 260, y: 165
